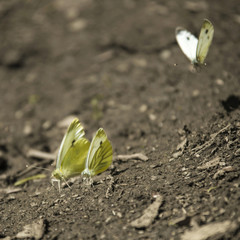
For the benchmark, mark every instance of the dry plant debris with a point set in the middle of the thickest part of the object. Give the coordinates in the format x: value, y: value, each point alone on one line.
x: 211, y: 230
x: 34, y: 230
x: 137, y: 156
x: 41, y: 155
x: 149, y: 214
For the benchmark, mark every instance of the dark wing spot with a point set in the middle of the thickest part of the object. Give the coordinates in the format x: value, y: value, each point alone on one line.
x: 100, y: 143
x: 188, y: 38
x: 73, y: 141
x: 206, y: 31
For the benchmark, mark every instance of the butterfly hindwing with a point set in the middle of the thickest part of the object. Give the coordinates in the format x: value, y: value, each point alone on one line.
x: 75, y: 132
x: 187, y: 42
x: 74, y: 160
x: 205, y: 40
x: 99, y: 154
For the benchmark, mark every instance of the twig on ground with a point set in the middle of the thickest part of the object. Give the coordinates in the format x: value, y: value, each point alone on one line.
x: 10, y: 190
x: 41, y: 155
x: 149, y: 214
x: 137, y: 156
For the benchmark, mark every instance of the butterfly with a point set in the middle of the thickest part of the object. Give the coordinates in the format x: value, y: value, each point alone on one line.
x: 72, y: 153
x: 195, y: 49
x: 99, y: 156
x: 77, y: 156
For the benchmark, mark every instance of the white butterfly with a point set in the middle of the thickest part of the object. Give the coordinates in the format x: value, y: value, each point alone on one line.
x: 195, y: 49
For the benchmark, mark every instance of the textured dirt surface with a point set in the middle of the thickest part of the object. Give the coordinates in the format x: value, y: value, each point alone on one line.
x: 116, y: 65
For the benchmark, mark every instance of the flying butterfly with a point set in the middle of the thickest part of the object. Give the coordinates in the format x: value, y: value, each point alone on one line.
x: 195, y: 49
x: 72, y: 153
x: 99, y: 156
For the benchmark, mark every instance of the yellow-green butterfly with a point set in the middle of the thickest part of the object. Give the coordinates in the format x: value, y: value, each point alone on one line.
x: 77, y: 156
x: 99, y: 156
x: 195, y: 49
x: 72, y: 153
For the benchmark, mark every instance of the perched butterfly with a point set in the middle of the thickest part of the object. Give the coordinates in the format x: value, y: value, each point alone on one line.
x: 72, y: 153
x: 195, y: 49
x: 99, y: 156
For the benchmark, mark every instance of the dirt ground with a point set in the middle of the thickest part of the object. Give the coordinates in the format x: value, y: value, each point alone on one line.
x: 116, y: 65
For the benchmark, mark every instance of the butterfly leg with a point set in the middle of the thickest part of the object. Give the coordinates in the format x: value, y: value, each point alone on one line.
x: 56, y: 180
x: 67, y: 183
x: 59, y: 186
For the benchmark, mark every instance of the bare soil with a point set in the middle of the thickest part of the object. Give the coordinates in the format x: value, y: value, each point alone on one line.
x: 116, y: 65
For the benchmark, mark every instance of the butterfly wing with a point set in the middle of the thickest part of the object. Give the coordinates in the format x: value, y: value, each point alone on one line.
x: 187, y: 42
x: 205, y: 40
x: 99, y: 154
x: 74, y: 160
x: 74, y: 133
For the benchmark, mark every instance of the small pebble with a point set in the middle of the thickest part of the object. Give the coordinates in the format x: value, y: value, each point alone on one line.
x: 165, y: 54
x: 143, y: 108
x: 78, y: 25
x: 219, y: 82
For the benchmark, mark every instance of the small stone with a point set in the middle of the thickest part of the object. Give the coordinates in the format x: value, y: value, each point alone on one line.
x: 140, y: 62
x: 152, y: 117
x: 219, y: 82
x: 165, y: 54
x: 177, y: 154
x: 173, y: 118
x: 47, y: 125
x: 27, y: 130
x: 78, y: 25
x: 143, y: 108
x: 119, y: 214
x: 195, y: 93
x: 129, y: 148
x: 153, y: 178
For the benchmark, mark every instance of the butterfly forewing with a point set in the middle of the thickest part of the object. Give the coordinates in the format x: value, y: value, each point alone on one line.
x: 205, y: 40
x: 187, y: 42
x: 75, y: 132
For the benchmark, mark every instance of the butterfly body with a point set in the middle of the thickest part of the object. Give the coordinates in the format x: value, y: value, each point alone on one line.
x: 196, y: 50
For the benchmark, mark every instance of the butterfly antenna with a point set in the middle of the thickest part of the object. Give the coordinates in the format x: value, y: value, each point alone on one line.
x: 32, y: 167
